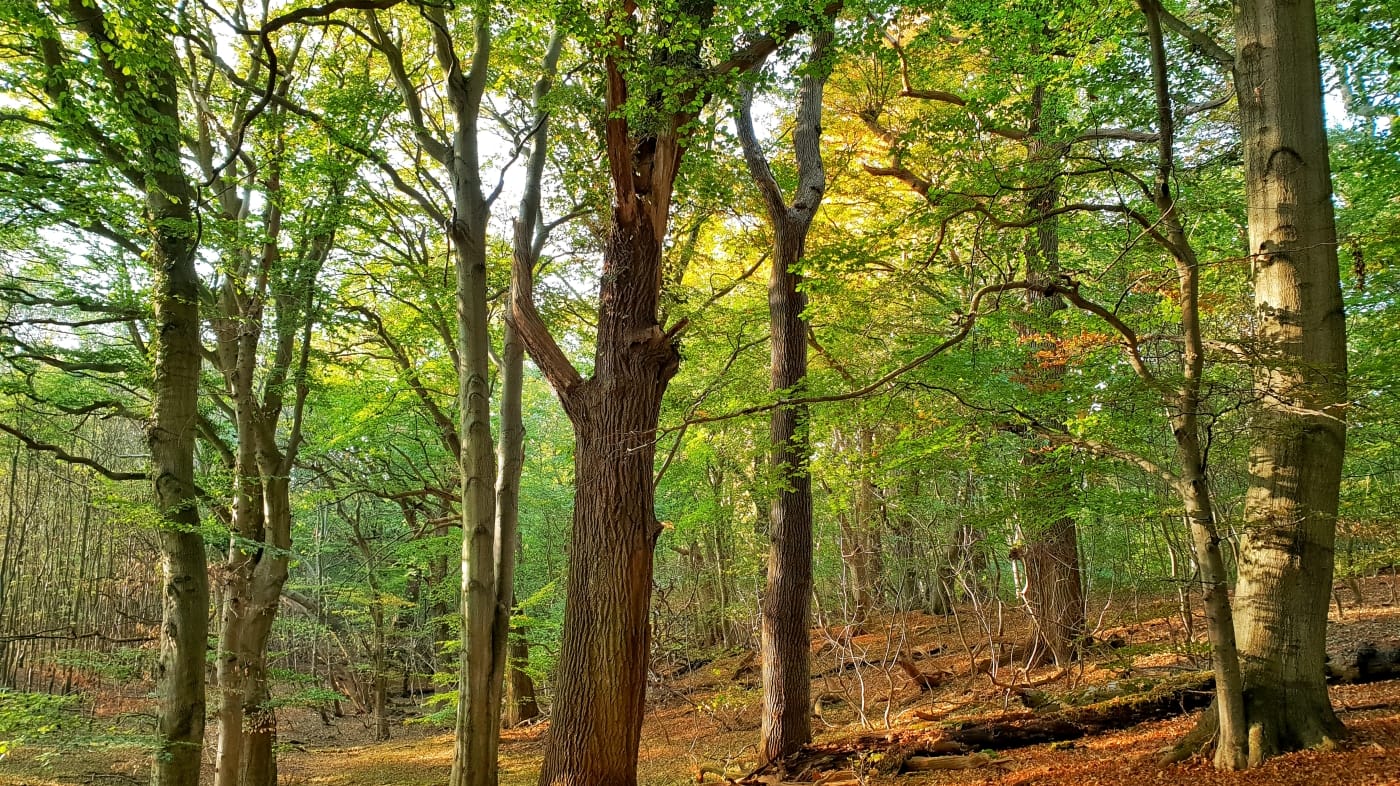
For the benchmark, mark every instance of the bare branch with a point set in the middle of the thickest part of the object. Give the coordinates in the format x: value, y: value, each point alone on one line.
x: 63, y: 455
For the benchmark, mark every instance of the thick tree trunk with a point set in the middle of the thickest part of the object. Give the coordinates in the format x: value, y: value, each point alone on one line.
x: 598, y: 709
x: 1299, y: 428
x: 1055, y: 587
x: 599, y: 706
x: 1054, y: 580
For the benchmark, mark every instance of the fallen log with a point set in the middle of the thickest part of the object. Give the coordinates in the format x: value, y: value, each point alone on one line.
x: 1017, y: 730
x: 1045, y: 701
x: 1164, y: 700
x: 1368, y: 662
x: 929, y: 763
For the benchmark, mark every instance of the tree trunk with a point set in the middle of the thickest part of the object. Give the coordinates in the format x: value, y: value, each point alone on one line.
x: 485, y: 603
x: 860, y: 541
x: 1184, y: 405
x: 603, y: 659
x: 1299, y: 428
x: 521, y: 705
x: 786, y: 642
x: 380, y: 676
x: 478, y: 713
x: 598, y: 709
x: 786, y: 638
x: 866, y: 556
x: 1054, y: 584
x: 1054, y: 580
x: 185, y: 599
x: 270, y: 575
x: 234, y: 656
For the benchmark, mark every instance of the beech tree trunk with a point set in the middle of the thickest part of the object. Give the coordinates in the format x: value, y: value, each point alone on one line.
x: 786, y: 638
x: 176, y: 344
x: 185, y: 599
x: 1299, y: 427
x: 259, y: 718
x: 260, y: 513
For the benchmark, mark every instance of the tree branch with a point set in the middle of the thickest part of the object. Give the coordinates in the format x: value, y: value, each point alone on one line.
x: 63, y: 455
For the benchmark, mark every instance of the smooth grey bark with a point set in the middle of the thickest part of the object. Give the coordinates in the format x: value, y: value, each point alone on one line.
x: 489, y: 501
x: 1299, y: 421
x: 260, y: 512
x: 528, y: 242
x: 484, y: 598
x: 479, y: 675
x: 149, y: 94
x: 1184, y: 405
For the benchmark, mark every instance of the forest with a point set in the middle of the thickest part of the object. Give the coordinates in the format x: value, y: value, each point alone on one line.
x: 617, y: 392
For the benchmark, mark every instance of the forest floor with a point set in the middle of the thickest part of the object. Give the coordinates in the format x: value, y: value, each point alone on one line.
x: 704, y: 713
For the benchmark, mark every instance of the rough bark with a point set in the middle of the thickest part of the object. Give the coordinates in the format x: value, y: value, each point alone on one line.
x: 598, y: 708
x: 786, y: 643
x: 603, y: 658
x: 1298, y: 425
x: 521, y: 705
x: 1054, y: 588
x: 1054, y: 583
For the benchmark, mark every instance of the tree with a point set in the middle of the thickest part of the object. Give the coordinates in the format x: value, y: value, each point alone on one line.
x: 487, y: 553
x: 267, y: 424
x: 531, y: 232
x: 1299, y: 427
x: 785, y: 646
x: 110, y: 88
x: 1046, y: 538
x: 656, y: 84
